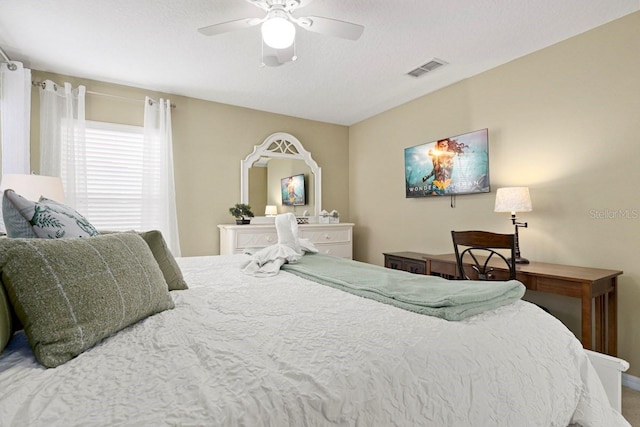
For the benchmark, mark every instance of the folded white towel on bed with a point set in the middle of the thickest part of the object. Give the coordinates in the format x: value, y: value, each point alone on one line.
x: 290, y: 248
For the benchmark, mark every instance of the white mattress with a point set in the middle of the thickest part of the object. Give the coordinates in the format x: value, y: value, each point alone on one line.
x: 282, y: 351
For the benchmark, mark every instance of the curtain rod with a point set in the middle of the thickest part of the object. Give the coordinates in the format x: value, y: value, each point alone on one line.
x: 126, y: 98
x: 10, y: 65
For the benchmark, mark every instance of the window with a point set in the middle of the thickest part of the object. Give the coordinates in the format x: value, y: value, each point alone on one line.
x: 114, y: 156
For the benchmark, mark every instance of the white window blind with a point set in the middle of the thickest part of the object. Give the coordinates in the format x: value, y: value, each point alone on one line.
x: 114, y: 156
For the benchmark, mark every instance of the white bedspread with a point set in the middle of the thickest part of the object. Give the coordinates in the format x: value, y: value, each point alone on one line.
x: 281, y: 351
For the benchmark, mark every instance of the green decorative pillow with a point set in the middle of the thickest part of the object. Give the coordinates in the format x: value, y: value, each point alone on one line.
x: 93, y: 287
x: 50, y: 219
x: 6, y: 327
x: 161, y: 252
x: 15, y: 224
x: 168, y: 265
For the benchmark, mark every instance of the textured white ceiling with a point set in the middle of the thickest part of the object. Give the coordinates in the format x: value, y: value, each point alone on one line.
x: 154, y: 44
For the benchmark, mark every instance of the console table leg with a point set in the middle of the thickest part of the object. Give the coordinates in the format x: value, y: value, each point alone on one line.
x: 600, y: 327
x: 587, y: 321
x: 612, y: 319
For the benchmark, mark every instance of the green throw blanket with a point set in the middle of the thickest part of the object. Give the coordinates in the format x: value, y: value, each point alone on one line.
x: 433, y: 296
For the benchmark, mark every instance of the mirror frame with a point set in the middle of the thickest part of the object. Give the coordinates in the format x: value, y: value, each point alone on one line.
x: 281, y: 145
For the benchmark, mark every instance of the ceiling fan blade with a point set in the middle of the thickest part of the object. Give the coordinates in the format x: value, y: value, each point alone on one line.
x: 226, y: 27
x: 275, y: 57
x: 332, y: 27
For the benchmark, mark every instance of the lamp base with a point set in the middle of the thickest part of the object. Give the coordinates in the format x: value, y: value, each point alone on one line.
x: 520, y: 260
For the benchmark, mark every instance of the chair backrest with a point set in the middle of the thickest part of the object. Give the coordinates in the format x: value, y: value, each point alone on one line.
x: 478, y: 252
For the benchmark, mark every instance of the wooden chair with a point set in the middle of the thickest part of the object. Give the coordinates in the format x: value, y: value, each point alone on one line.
x: 477, y: 252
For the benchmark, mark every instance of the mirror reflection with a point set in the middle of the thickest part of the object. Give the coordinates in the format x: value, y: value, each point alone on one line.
x: 277, y: 182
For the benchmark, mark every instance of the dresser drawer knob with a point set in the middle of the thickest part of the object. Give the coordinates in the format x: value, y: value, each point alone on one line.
x: 328, y: 237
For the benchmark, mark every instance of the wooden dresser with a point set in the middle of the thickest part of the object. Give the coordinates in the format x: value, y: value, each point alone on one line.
x: 332, y: 239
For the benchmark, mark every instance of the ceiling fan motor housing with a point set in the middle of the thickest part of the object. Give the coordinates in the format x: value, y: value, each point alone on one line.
x: 287, y: 5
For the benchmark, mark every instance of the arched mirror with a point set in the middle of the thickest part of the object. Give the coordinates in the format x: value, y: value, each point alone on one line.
x: 280, y: 172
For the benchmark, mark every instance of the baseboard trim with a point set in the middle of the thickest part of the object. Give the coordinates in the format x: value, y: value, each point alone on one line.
x: 631, y: 381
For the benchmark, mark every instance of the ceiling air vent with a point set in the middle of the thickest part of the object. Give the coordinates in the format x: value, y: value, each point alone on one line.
x: 425, y: 68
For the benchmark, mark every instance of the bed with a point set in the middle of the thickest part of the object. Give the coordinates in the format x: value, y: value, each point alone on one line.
x: 238, y: 350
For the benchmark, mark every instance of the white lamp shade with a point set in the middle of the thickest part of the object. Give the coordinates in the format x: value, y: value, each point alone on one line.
x: 31, y: 187
x: 271, y: 210
x: 513, y: 199
x: 278, y: 32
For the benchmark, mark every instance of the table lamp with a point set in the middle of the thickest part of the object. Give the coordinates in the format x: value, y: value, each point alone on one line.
x: 31, y: 187
x: 514, y: 199
x: 271, y: 210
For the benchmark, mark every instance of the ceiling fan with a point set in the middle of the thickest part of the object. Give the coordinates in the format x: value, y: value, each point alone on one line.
x: 278, y: 29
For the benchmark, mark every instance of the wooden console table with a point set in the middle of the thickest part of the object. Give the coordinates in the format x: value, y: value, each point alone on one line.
x: 595, y: 287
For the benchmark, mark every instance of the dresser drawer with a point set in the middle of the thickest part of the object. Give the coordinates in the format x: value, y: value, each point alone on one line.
x: 343, y: 250
x: 255, y: 239
x: 332, y: 239
x: 326, y: 235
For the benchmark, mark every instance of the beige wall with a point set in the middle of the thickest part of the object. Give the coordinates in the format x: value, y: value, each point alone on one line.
x: 209, y: 141
x: 564, y: 121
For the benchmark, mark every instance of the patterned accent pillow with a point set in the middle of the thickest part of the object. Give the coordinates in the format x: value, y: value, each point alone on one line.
x: 50, y: 219
x: 93, y: 287
x: 15, y: 224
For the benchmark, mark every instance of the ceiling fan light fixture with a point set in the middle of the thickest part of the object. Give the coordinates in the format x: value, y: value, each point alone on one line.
x: 278, y: 32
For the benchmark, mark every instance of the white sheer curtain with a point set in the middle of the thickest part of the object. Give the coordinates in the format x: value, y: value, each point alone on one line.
x: 15, y: 118
x: 158, y: 188
x: 62, y: 139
